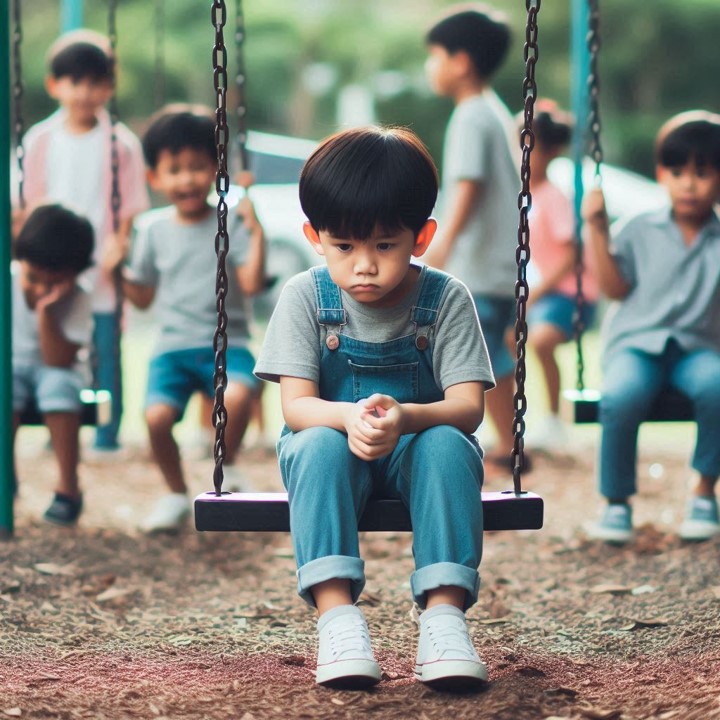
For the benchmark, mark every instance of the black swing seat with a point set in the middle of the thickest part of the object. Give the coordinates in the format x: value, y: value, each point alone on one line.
x: 269, y: 512
x: 96, y: 409
x: 583, y: 407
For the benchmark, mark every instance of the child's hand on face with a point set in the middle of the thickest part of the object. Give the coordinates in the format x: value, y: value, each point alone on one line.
x: 374, y: 427
x: 57, y: 293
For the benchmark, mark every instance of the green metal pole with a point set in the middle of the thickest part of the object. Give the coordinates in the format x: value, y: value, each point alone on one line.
x: 6, y: 460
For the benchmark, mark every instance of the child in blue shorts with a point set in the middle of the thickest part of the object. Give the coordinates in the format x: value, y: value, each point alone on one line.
x: 51, y: 326
x: 663, y: 269
x: 382, y: 369
x: 172, y: 266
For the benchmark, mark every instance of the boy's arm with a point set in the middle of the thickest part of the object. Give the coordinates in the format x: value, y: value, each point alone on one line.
x: 596, y: 220
x: 55, y: 348
x: 141, y: 296
x: 251, y: 274
x: 465, y: 198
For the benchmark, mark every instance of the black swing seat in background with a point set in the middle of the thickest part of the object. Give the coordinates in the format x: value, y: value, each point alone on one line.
x: 583, y: 407
x: 96, y: 409
x: 269, y: 512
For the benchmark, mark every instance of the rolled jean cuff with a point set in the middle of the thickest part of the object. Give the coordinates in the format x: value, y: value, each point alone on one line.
x: 331, y: 567
x: 438, y: 575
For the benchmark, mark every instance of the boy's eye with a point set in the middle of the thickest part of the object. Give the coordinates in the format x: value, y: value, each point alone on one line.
x: 384, y: 246
x: 344, y: 247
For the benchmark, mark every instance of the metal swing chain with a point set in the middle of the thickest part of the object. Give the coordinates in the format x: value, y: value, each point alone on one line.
x: 159, y: 53
x: 522, y: 253
x: 593, y: 131
x: 18, y: 91
x: 222, y: 185
x: 240, y: 82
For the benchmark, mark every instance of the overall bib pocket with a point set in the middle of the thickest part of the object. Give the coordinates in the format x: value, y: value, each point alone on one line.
x: 400, y: 381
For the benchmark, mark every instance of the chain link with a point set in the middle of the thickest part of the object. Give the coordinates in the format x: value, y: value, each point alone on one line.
x: 18, y: 91
x: 222, y: 184
x: 522, y: 253
x: 241, y: 83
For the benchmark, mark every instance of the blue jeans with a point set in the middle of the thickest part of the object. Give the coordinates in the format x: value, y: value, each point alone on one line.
x: 632, y: 380
x: 436, y: 473
x: 108, y: 376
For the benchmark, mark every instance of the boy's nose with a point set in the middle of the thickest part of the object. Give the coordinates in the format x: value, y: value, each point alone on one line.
x: 365, y: 263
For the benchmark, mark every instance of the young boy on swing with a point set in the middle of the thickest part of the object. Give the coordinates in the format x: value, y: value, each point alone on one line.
x: 382, y: 369
x: 51, y: 325
x: 663, y: 268
x: 68, y: 160
x: 173, y: 266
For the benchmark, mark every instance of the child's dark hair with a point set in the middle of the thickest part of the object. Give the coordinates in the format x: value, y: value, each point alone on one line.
x: 56, y: 239
x: 366, y: 179
x: 689, y: 136
x: 480, y: 31
x: 177, y: 127
x: 82, y: 54
x: 552, y: 126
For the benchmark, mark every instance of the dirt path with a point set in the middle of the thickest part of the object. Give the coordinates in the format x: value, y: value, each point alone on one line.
x: 103, y: 622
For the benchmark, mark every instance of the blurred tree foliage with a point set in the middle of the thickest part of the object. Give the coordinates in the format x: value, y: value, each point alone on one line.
x: 657, y: 59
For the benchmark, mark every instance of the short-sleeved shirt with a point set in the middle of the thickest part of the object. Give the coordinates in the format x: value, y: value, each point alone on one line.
x: 674, y: 288
x: 552, y: 229
x: 477, y: 148
x: 293, y: 341
x: 75, y: 170
x: 73, y: 315
x: 179, y: 261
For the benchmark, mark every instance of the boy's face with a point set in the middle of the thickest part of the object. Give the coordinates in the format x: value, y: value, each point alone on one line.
x: 375, y: 271
x: 693, y: 190
x: 82, y: 98
x: 37, y: 283
x: 185, y: 179
x: 444, y: 70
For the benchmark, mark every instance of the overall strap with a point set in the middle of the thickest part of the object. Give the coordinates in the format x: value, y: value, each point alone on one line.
x: 424, y: 313
x: 327, y: 297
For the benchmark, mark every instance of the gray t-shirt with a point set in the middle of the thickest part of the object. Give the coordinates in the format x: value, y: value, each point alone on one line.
x: 294, y: 339
x: 477, y: 148
x: 179, y: 261
x: 73, y: 315
x: 675, y: 289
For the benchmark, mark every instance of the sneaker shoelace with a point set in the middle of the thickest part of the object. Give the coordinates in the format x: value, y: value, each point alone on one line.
x: 351, y: 637
x: 450, y: 638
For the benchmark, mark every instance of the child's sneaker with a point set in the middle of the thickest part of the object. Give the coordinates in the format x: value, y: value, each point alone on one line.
x: 446, y: 657
x: 169, y: 513
x: 63, y: 510
x: 701, y: 519
x: 235, y: 480
x: 615, y: 525
x: 345, y: 658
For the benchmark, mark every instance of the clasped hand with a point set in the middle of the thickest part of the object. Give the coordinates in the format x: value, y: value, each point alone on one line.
x: 374, y: 426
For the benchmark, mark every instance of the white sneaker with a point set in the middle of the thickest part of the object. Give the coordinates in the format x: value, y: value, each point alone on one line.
x: 550, y: 434
x: 702, y: 519
x: 169, y: 513
x: 345, y: 658
x: 235, y: 480
x: 446, y: 657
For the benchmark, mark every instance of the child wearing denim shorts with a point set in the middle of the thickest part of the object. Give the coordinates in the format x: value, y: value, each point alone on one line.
x: 663, y: 268
x: 173, y: 267
x: 51, y: 326
x: 382, y: 369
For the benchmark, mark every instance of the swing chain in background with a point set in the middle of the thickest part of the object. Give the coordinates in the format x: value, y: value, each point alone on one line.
x: 240, y: 82
x: 522, y: 253
x: 18, y: 91
x: 159, y: 53
x: 222, y: 185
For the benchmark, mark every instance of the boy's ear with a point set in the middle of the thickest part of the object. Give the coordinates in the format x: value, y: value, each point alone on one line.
x: 313, y: 238
x: 424, y: 237
x: 152, y: 178
x: 51, y: 86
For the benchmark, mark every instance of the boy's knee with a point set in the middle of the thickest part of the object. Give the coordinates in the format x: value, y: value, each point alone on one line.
x: 160, y: 418
x: 325, y: 442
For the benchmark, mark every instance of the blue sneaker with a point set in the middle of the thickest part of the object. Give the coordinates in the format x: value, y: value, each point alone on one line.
x: 701, y: 519
x: 615, y: 525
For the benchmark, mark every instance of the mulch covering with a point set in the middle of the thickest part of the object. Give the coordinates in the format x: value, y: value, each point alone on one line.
x: 103, y: 622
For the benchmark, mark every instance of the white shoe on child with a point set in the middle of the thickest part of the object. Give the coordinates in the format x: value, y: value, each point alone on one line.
x: 169, y: 513
x: 550, y: 434
x: 345, y: 658
x: 235, y: 480
x: 446, y: 657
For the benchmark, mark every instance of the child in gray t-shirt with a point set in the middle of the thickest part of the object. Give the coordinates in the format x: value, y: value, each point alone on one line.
x: 383, y: 370
x: 52, y: 323
x: 173, y: 266
x: 480, y: 186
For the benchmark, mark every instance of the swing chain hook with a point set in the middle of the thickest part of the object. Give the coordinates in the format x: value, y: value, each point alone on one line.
x: 18, y: 92
x: 222, y: 185
x: 522, y: 253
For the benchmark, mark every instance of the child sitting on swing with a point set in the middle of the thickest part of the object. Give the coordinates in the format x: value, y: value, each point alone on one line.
x: 664, y: 269
x: 382, y: 368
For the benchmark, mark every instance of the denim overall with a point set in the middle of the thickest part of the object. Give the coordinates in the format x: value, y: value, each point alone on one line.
x: 437, y: 473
